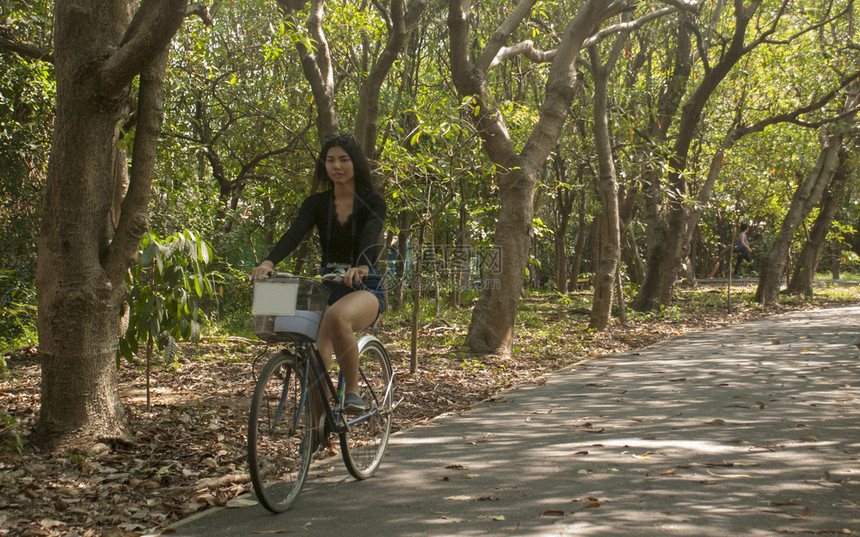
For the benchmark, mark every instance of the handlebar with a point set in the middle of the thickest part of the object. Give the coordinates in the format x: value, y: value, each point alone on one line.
x: 336, y: 276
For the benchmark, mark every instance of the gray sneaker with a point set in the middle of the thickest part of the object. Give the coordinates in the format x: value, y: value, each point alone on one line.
x: 352, y: 403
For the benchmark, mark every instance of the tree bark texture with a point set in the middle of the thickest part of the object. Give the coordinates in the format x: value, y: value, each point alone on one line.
x: 805, y: 197
x: 607, y: 189
x: 807, y: 262
x: 81, y: 267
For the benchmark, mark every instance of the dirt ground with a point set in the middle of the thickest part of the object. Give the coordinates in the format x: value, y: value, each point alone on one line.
x: 189, y: 449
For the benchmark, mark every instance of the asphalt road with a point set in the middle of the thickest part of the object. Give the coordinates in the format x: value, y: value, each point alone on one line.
x: 750, y: 430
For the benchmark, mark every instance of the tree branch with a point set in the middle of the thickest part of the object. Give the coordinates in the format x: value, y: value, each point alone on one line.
x: 497, y: 40
x: 201, y: 11
x: 627, y: 26
x: 794, y: 115
x: 9, y: 43
x: 150, y: 32
x: 526, y: 48
x: 366, y: 124
x: 683, y: 5
x: 134, y: 216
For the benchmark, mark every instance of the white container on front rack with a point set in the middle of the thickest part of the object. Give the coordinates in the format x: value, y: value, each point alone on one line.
x: 287, y: 308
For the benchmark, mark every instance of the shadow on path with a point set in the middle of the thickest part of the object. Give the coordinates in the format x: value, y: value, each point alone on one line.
x: 749, y: 430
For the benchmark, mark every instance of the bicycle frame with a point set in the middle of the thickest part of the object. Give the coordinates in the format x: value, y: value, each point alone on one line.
x: 321, y: 382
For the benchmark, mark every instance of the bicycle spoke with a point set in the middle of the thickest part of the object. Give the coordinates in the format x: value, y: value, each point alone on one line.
x: 279, y: 433
x: 364, y: 443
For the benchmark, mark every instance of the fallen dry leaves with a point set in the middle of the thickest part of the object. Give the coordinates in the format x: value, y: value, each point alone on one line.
x: 189, y: 452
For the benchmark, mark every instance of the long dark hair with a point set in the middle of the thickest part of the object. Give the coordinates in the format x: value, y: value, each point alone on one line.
x: 360, y: 166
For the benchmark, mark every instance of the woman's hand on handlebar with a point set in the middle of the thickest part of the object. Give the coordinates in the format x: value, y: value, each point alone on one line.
x: 265, y: 268
x: 354, y: 275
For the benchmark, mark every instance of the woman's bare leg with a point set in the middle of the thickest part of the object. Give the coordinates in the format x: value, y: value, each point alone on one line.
x: 352, y: 313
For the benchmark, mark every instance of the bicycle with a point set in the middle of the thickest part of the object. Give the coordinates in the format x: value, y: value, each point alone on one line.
x: 283, y: 431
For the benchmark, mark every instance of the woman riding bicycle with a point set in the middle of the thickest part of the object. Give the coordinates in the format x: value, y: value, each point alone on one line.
x: 348, y: 217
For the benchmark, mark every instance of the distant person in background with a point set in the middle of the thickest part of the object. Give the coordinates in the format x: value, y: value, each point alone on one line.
x: 744, y: 249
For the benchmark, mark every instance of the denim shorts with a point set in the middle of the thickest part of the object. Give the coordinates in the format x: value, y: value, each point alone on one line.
x: 372, y: 282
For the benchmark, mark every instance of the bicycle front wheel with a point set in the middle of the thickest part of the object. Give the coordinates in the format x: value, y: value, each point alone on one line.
x: 279, y: 433
x: 363, y: 444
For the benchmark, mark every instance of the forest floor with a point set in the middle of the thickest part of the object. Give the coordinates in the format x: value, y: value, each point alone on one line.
x: 189, y: 449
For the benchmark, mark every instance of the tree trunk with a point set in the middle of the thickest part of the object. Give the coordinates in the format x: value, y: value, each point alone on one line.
x: 564, y: 197
x: 367, y: 119
x: 493, y: 318
x: 417, y: 276
x: 664, y: 259
x: 607, y: 190
x: 835, y: 259
x: 807, y: 194
x: 462, y: 258
x: 81, y: 267
x: 581, y: 238
x: 563, y: 210
x: 807, y: 262
x: 317, y: 65
x: 629, y: 248
x: 671, y: 228
x: 654, y: 287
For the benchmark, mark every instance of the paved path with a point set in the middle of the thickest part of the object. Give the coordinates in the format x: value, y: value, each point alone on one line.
x: 750, y: 430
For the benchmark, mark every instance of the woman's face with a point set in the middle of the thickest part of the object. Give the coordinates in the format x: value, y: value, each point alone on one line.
x: 338, y: 166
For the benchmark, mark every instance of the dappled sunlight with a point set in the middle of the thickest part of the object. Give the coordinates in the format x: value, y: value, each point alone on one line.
x: 750, y: 430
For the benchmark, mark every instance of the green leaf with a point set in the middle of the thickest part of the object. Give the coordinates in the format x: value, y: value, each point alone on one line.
x: 125, y: 350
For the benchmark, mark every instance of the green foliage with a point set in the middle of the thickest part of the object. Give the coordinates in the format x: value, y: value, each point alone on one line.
x: 230, y: 305
x: 473, y: 366
x: 17, y: 311
x: 165, y: 288
x: 10, y: 439
x: 240, y: 138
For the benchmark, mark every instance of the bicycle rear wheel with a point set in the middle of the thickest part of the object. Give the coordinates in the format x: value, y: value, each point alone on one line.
x: 279, y: 433
x: 364, y: 442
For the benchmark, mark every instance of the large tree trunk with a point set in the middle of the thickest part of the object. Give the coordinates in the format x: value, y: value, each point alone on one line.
x: 493, y: 318
x: 657, y: 231
x: 82, y: 263
x: 807, y: 261
x: 805, y: 197
x: 664, y: 262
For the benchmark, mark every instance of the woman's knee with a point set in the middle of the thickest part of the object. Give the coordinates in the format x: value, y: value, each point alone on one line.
x: 354, y: 312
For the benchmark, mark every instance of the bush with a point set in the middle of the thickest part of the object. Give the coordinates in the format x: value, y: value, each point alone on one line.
x: 17, y: 311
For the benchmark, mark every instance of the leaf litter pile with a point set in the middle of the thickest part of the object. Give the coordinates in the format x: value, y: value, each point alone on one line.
x: 189, y: 450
